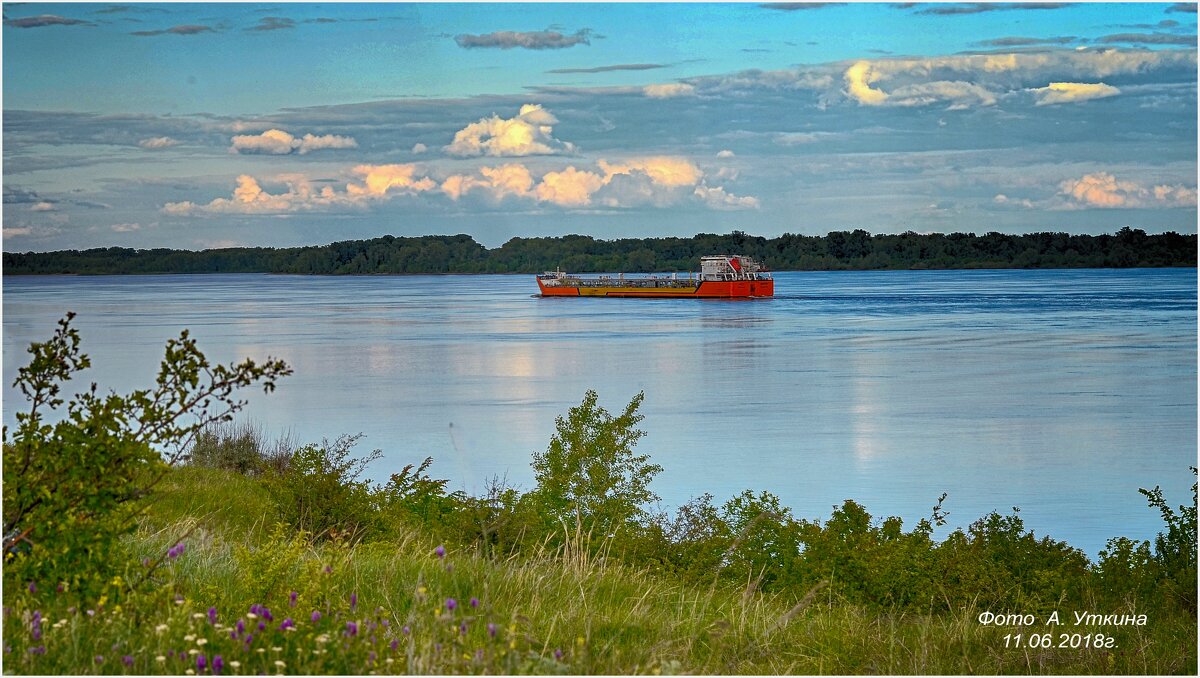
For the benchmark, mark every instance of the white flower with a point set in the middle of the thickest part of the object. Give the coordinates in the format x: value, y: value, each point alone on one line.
x: 201, y: 641
x: 160, y: 628
x: 160, y: 658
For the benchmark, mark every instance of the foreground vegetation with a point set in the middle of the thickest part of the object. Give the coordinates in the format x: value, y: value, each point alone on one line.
x: 248, y: 557
x: 839, y: 250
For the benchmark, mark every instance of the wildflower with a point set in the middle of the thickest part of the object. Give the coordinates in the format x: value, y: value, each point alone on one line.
x: 316, y: 617
x: 277, y: 649
x: 99, y: 659
x: 212, y: 615
x: 193, y: 651
x: 240, y: 627
x: 160, y: 658
x: 145, y: 562
x: 201, y: 641
x: 406, y: 630
x: 280, y: 663
x: 190, y: 637
x: 61, y: 587
x: 127, y: 660
x: 262, y: 626
x: 178, y: 600
x: 328, y: 569
x: 394, y: 644
x: 440, y: 551
x: 249, y: 639
x: 558, y: 653
x: 474, y: 602
x: 32, y: 587
x: 479, y: 655
x: 323, y: 638
x: 287, y: 624
x: 353, y: 600
x: 389, y: 660
x: 201, y: 662
x: 292, y: 599
x: 266, y: 613
x: 251, y: 615
x: 451, y: 603
x: 175, y: 551
x: 218, y: 664
x: 233, y: 635
x: 492, y: 630
x: 371, y: 657
x: 351, y: 629
x: 40, y: 649
x: 189, y: 672
x: 462, y: 628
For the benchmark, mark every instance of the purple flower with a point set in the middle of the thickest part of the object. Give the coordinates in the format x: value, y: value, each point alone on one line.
x: 557, y: 653
x: 233, y: 635
x: 394, y: 644
x: 262, y: 626
x: 212, y: 615
x: 371, y: 657
x: 292, y: 599
x: 328, y: 569
x: 440, y: 551
x: 474, y: 602
x: 351, y: 629
x: 492, y: 630
x: 462, y: 628
x: 127, y: 660
x: 316, y: 617
x: 145, y: 562
x: 451, y: 603
x: 60, y: 588
x: 287, y: 624
x: 240, y: 627
x: 218, y: 665
x: 99, y: 659
x: 249, y: 639
x: 353, y: 600
x: 406, y: 630
x: 40, y: 649
x: 201, y: 663
x: 32, y: 587
x: 176, y: 551
x: 266, y: 613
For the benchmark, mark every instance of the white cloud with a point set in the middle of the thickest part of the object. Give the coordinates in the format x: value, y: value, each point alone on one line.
x: 378, y: 182
x: 978, y: 79
x: 157, y: 143
x: 1001, y: 199
x: 630, y: 182
x: 42, y: 207
x: 725, y: 154
x: 1104, y: 190
x: 125, y: 228
x: 418, y: 149
x: 569, y: 188
x: 529, y: 133
x: 669, y: 90
x: 1068, y: 92
x: 17, y: 231
x: 717, y: 198
x: 279, y: 142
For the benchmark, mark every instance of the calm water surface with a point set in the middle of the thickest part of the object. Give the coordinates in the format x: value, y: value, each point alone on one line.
x: 1060, y: 392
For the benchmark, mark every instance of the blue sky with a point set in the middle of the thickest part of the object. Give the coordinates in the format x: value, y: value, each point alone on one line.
x: 195, y: 126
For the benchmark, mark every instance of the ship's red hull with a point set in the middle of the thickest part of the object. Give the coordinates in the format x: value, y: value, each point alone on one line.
x: 708, y: 289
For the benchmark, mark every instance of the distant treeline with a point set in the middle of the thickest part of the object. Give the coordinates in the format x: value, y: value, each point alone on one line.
x: 839, y: 250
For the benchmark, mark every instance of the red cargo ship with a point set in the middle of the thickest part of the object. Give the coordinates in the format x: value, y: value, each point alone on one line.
x: 721, y: 276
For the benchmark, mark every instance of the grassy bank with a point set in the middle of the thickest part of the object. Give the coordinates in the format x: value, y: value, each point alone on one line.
x: 384, y: 607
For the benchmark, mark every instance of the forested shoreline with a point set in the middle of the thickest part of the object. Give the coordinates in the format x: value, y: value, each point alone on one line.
x: 838, y: 250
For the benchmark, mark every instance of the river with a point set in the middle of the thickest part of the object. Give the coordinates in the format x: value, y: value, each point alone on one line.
x: 1059, y: 392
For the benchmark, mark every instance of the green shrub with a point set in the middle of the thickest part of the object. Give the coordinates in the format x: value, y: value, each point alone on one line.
x: 70, y: 486
x: 320, y: 491
x: 589, y: 476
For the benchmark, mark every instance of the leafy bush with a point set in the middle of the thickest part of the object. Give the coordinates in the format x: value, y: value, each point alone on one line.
x: 589, y: 476
x: 69, y: 486
x: 320, y: 490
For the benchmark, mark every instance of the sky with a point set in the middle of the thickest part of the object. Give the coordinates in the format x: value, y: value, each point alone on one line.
x: 201, y: 126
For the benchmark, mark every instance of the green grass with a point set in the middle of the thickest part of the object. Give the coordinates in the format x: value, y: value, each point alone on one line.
x: 561, y: 611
